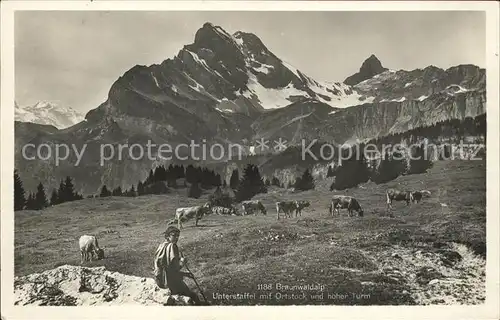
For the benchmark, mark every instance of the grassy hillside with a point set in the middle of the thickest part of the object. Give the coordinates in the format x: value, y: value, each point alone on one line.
x: 410, y: 258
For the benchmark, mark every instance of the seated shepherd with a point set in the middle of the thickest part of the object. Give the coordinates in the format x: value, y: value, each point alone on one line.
x: 168, y: 263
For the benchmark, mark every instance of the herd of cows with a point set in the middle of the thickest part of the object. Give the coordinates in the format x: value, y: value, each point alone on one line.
x: 89, y: 246
x: 288, y: 207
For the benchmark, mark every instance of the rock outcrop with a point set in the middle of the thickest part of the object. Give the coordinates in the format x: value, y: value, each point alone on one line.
x: 80, y: 286
x: 370, y: 67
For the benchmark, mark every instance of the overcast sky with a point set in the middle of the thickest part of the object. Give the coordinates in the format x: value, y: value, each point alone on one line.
x: 72, y: 58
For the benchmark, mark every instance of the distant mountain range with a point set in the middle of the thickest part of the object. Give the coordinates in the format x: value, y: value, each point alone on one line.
x: 230, y: 88
x: 49, y: 114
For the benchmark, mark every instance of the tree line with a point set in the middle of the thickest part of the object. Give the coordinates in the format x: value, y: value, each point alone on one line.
x: 356, y: 169
x: 455, y: 128
x: 251, y: 183
x: 199, y: 178
x: 38, y: 200
x: 161, y: 178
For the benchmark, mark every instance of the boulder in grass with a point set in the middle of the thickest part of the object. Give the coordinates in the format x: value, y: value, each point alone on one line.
x: 449, y: 257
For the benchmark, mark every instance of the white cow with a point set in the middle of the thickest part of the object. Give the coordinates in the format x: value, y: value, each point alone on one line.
x: 89, y: 247
x: 224, y: 210
x: 185, y: 214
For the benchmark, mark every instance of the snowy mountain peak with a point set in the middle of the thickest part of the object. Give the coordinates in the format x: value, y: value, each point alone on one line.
x: 42, y: 105
x: 48, y: 113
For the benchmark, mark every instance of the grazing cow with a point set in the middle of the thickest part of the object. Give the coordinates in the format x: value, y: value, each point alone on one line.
x: 418, y: 195
x: 301, y: 205
x: 396, y: 195
x: 345, y: 202
x: 89, y: 247
x: 185, y: 214
x: 426, y: 193
x: 250, y: 205
x: 224, y: 210
x: 217, y: 210
x: 287, y: 207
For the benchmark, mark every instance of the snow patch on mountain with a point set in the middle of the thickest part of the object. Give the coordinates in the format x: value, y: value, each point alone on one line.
x: 376, y: 80
x: 295, y: 119
x: 224, y: 110
x: 337, y: 95
x: 49, y: 114
x: 346, y: 101
x: 156, y: 80
x: 238, y: 41
x: 193, y: 84
x: 204, y: 64
x: 394, y: 100
x: 340, y: 95
x: 454, y: 89
x: 264, y: 68
x: 198, y: 87
x: 271, y: 98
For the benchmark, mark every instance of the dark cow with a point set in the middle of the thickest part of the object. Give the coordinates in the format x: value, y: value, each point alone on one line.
x: 396, y: 195
x: 299, y: 205
x: 418, y: 195
x: 287, y: 207
x: 250, y: 206
x: 345, y: 202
